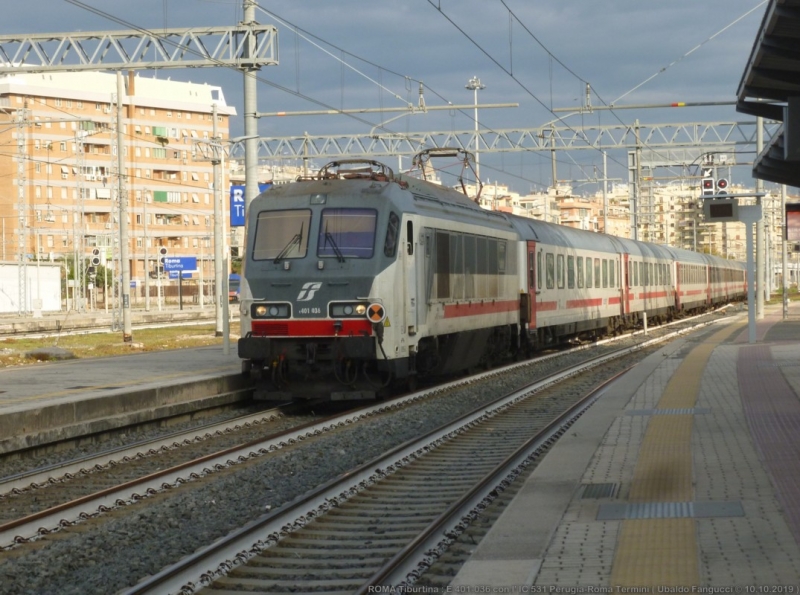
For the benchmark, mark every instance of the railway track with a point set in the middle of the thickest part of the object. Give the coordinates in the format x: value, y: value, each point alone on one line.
x: 383, y: 523
x: 297, y: 445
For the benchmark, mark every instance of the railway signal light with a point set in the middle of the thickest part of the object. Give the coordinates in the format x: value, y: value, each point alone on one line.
x: 162, y: 254
x: 708, y: 186
x: 95, y: 257
x: 722, y: 186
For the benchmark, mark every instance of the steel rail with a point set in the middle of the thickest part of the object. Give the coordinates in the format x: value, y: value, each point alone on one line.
x: 201, y: 568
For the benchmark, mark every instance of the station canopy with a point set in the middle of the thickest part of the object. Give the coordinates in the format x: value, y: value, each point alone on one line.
x: 770, y: 88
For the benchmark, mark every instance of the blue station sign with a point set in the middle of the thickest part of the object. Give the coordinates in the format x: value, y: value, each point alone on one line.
x: 180, y: 263
x: 237, y: 203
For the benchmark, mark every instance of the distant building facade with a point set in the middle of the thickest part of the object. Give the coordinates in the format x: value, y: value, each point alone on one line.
x: 59, y: 170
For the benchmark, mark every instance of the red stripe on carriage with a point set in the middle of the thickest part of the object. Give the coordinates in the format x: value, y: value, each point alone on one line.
x: 478, y: 308
x: 585, y: 303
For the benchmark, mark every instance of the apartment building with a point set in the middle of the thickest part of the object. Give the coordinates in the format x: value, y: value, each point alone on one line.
x: 59, y: 174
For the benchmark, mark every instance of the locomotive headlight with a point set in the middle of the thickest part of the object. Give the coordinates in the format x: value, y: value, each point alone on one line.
x: 347, y: 310
x: 270, y: 311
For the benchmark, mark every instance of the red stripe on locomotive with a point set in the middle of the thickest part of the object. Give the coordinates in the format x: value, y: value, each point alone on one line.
x: 310, y: 328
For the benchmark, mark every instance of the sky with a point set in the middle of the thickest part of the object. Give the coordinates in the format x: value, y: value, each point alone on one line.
x: 349, y: 54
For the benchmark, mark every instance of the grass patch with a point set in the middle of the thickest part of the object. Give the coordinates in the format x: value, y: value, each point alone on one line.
x: 107, y: 344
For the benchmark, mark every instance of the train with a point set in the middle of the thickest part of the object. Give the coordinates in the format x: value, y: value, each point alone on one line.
x: 358, y: 280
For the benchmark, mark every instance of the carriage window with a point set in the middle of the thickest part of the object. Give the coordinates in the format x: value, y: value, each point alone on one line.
x: 347, y: 233
x: 570, y: 271
x: 392, y: 233
x: 551, y: 270
x: 611, y: 266
x: 650, y: 272
x: 560, y: 271
x: 635, y: 274
x: 605, y: 273
x: 281, y: 234
x: 597, y: 272
x: 442, y: 265
x: 501, y: 257
x: 456, y: 255
x: 491, y: 256
x: 470, y: 265
x: 580, y: 271
x: 588, y: 272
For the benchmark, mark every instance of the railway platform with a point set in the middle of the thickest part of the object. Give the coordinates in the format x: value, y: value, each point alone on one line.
x: 684, y: 477
x: 48, y: 402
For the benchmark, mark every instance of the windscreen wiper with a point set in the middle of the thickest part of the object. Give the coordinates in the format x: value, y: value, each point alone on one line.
x: 329, y: 238
x: 296, y: 240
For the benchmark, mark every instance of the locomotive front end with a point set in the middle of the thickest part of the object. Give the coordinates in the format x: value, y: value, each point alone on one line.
x: 319, y: 252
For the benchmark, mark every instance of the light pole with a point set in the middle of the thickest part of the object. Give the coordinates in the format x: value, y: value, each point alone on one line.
x: 475, y: 85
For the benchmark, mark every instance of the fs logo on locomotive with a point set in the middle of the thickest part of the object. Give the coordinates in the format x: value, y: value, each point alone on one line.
x: 307, y: 291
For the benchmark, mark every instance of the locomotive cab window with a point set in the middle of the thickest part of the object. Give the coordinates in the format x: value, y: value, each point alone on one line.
x: 392, y: 234
x: 347, y: 233
x: 281, y: 234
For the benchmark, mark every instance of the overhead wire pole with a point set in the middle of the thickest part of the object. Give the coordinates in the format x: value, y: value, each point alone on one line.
x: 249, y: 69
x: 125, y: 265
x: 218, y: 297
x: 475, y: 85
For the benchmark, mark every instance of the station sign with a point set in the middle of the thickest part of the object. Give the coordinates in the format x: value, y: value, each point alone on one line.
x: 237, y: 203
x: 183, y: 274
x: 180, y: 263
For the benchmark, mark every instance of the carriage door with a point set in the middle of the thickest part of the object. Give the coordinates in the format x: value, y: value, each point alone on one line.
x: 531, y: 281
x: 625, y: 286
x: 411, y: 298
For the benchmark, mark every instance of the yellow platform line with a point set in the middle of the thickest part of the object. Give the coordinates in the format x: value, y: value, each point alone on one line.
x: 663, y: 552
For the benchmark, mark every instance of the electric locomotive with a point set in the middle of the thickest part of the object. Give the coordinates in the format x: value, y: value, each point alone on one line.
x: 349, y: 280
